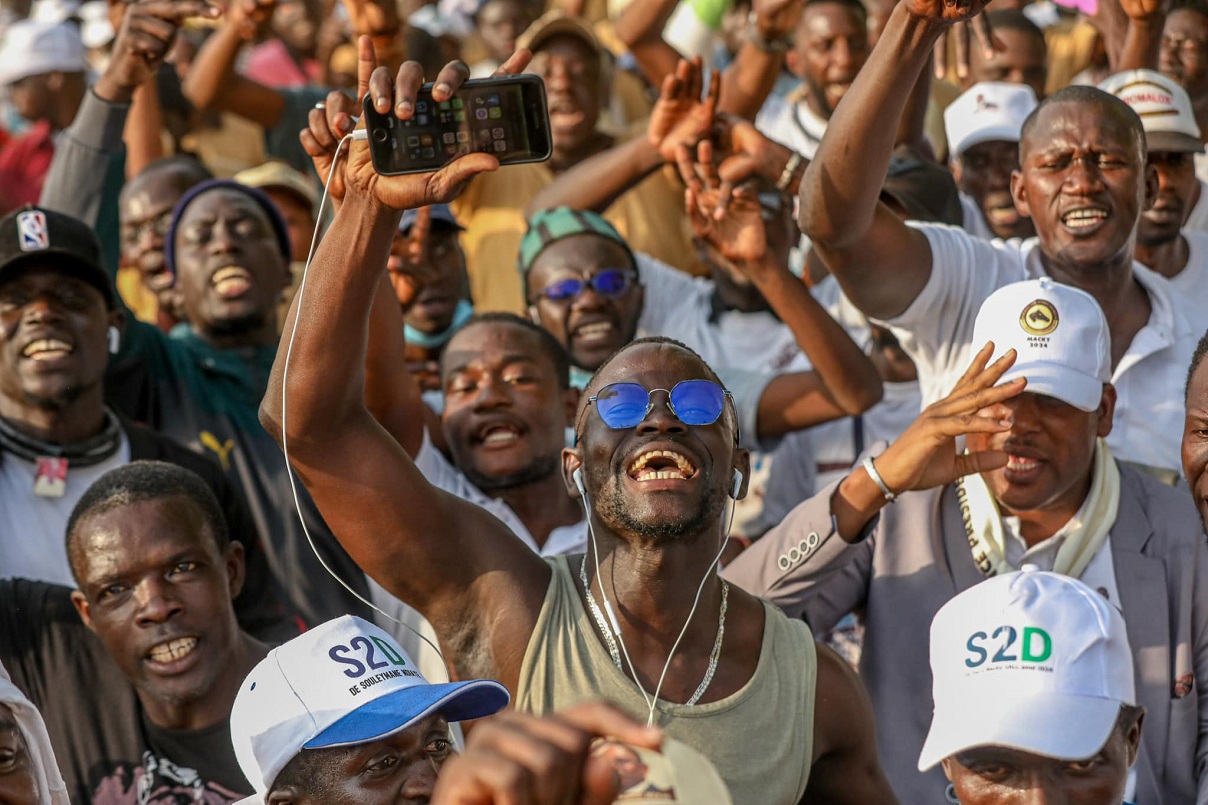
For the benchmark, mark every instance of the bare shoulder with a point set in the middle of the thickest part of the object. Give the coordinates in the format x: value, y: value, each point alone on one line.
x: 846, y: 768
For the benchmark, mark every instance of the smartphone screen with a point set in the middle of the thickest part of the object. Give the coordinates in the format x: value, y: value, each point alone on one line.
x: 507, y: 117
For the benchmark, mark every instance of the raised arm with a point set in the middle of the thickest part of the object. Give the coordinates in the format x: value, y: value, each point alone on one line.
x: 749, y: 80
x: 680, y: 116
x: 212, y: 82
x: 640, y: 26
x: 881, y: 264
x: 452, y: 561
x: 843, y: 381
x: 1142, y: 38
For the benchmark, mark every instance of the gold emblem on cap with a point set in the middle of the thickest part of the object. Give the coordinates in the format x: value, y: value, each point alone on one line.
x: 1038, y: 318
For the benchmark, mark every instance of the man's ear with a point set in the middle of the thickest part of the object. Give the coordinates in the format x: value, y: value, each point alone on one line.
x: 742, y: 463
x: 946, y: 765
x: 286, y: 795
x: 572, y: 462
x: 1020, y: 194
x: 80, y: 601
x: 1133, y: 736
x: 1152, y: 186
x: 1107, y: 410
x: 117, y: 317
x: 235, y: 568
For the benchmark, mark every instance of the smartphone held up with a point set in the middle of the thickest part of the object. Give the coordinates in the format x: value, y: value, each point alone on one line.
x: 505, y: 116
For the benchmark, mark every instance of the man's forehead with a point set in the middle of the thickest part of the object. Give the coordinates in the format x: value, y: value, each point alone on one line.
x: 222, y: 201
x: 579, y: 252
x: 652, y: 365
x: 106, y: 539
x: 1080, y: 123
x: 491, y: 342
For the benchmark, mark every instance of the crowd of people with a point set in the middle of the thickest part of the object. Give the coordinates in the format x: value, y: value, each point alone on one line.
x: 825, y: 420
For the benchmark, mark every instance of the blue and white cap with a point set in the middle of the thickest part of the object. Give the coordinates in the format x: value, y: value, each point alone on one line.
x: 343, y: 683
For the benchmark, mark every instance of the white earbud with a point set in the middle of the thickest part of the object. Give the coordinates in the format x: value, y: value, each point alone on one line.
x: 738, y: 479
x: 115, y: 340
x: 577, y: 477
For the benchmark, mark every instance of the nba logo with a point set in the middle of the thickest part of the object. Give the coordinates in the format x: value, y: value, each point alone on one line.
x: 31, y: 231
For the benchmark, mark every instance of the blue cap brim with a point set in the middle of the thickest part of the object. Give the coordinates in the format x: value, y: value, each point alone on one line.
x: 395, y: 712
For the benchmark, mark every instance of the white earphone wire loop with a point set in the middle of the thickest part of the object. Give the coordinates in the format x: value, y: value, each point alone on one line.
x: 289, y: 470
x: 651, y: 701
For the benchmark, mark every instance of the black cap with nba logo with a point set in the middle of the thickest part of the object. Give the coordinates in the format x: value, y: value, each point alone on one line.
x: 33, y: 236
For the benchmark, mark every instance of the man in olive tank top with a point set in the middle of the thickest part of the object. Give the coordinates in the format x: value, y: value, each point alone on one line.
x: 656, y: 464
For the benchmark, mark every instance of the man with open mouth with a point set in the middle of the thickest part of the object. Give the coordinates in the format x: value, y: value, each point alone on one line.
x: 136, y: 670
x: 1042, y: 489
x: 1084, y: 183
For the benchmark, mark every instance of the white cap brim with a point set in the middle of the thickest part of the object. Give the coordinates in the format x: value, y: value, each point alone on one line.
x: 998, y: 133
x: 1055, y: 725
x: 1061, y: 382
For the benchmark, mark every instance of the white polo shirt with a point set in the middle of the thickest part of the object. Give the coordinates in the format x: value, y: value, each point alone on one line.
x: 937, y: 328
x: 680, y: 306
x: 1191, y: 284
x: 1197, y: 219
x: 791, y: 123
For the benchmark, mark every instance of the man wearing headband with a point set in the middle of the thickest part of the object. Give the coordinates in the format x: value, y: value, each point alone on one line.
x: 1034, y: 696
x: 1044, y: 489
x: 655, y: 465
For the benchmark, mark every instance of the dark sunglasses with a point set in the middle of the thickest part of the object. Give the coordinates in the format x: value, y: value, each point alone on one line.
x: 694, y: 402
x: 610, y: 282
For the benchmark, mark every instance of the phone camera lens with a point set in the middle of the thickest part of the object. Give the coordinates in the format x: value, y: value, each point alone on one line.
x: 381, y: 135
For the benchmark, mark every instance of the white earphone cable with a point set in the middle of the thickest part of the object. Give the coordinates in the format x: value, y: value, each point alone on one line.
x: 651, y: 701
x: 293, y: 485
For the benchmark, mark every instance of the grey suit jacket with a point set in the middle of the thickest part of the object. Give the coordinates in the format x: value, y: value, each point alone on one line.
x: 915, y: 557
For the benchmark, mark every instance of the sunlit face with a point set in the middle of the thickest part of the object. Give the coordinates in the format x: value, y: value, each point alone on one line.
x: 155, y: 589
x: 1195, y: 440
x: 1050, y: 448
x: 995, y: 775
x: 1022, y: 61
x: 829, y: 48
x: 571, y: 71
x: 399, y: 770
x: 983, y: 173
x: 1162, y: 221
x: 1083, y: 181
x: 505, y: 411
x: 1184, y: 51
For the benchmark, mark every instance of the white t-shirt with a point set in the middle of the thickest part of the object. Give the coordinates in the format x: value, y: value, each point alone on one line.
x: 443, y: 475
x: 1190, y: 286
x: 973, y: 220
x: 1197, y: 220
x: 680, y: 306
x: 792, y: 124
x: 32, y: 528
x: 937, y: 328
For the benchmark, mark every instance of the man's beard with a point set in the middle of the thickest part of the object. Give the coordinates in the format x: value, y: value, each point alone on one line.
x: 537, y: 470
x: 622, y: 517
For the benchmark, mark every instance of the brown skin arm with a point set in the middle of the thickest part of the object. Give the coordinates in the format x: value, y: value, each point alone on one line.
x: 844, y: 381
x: 1142, y: 33
x: 143, y: 125
x: 880, y: 263
x: 640, y: 27
x: 846, y: 768
x: 749, y: 80
x: 681, y: 116
x: 212, y: 82
x: 451, y: 560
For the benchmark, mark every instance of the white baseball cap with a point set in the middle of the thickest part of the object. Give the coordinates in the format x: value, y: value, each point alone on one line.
x: 1032, y: 661
x: 33, y: 48
x: 343, y: 683
x: 1059, y: 333
x: 990, y: 110
x: 1163, y: 106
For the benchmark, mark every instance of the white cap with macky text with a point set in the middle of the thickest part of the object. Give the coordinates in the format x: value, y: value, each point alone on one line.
x: 1059, y: 333
x: 987, y: 111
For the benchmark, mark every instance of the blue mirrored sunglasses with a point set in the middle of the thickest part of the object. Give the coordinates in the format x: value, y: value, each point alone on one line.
x: 610, y: 282
x: 694, y: 402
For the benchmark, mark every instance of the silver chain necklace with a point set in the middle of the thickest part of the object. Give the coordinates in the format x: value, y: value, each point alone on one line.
x: 611, y: 642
